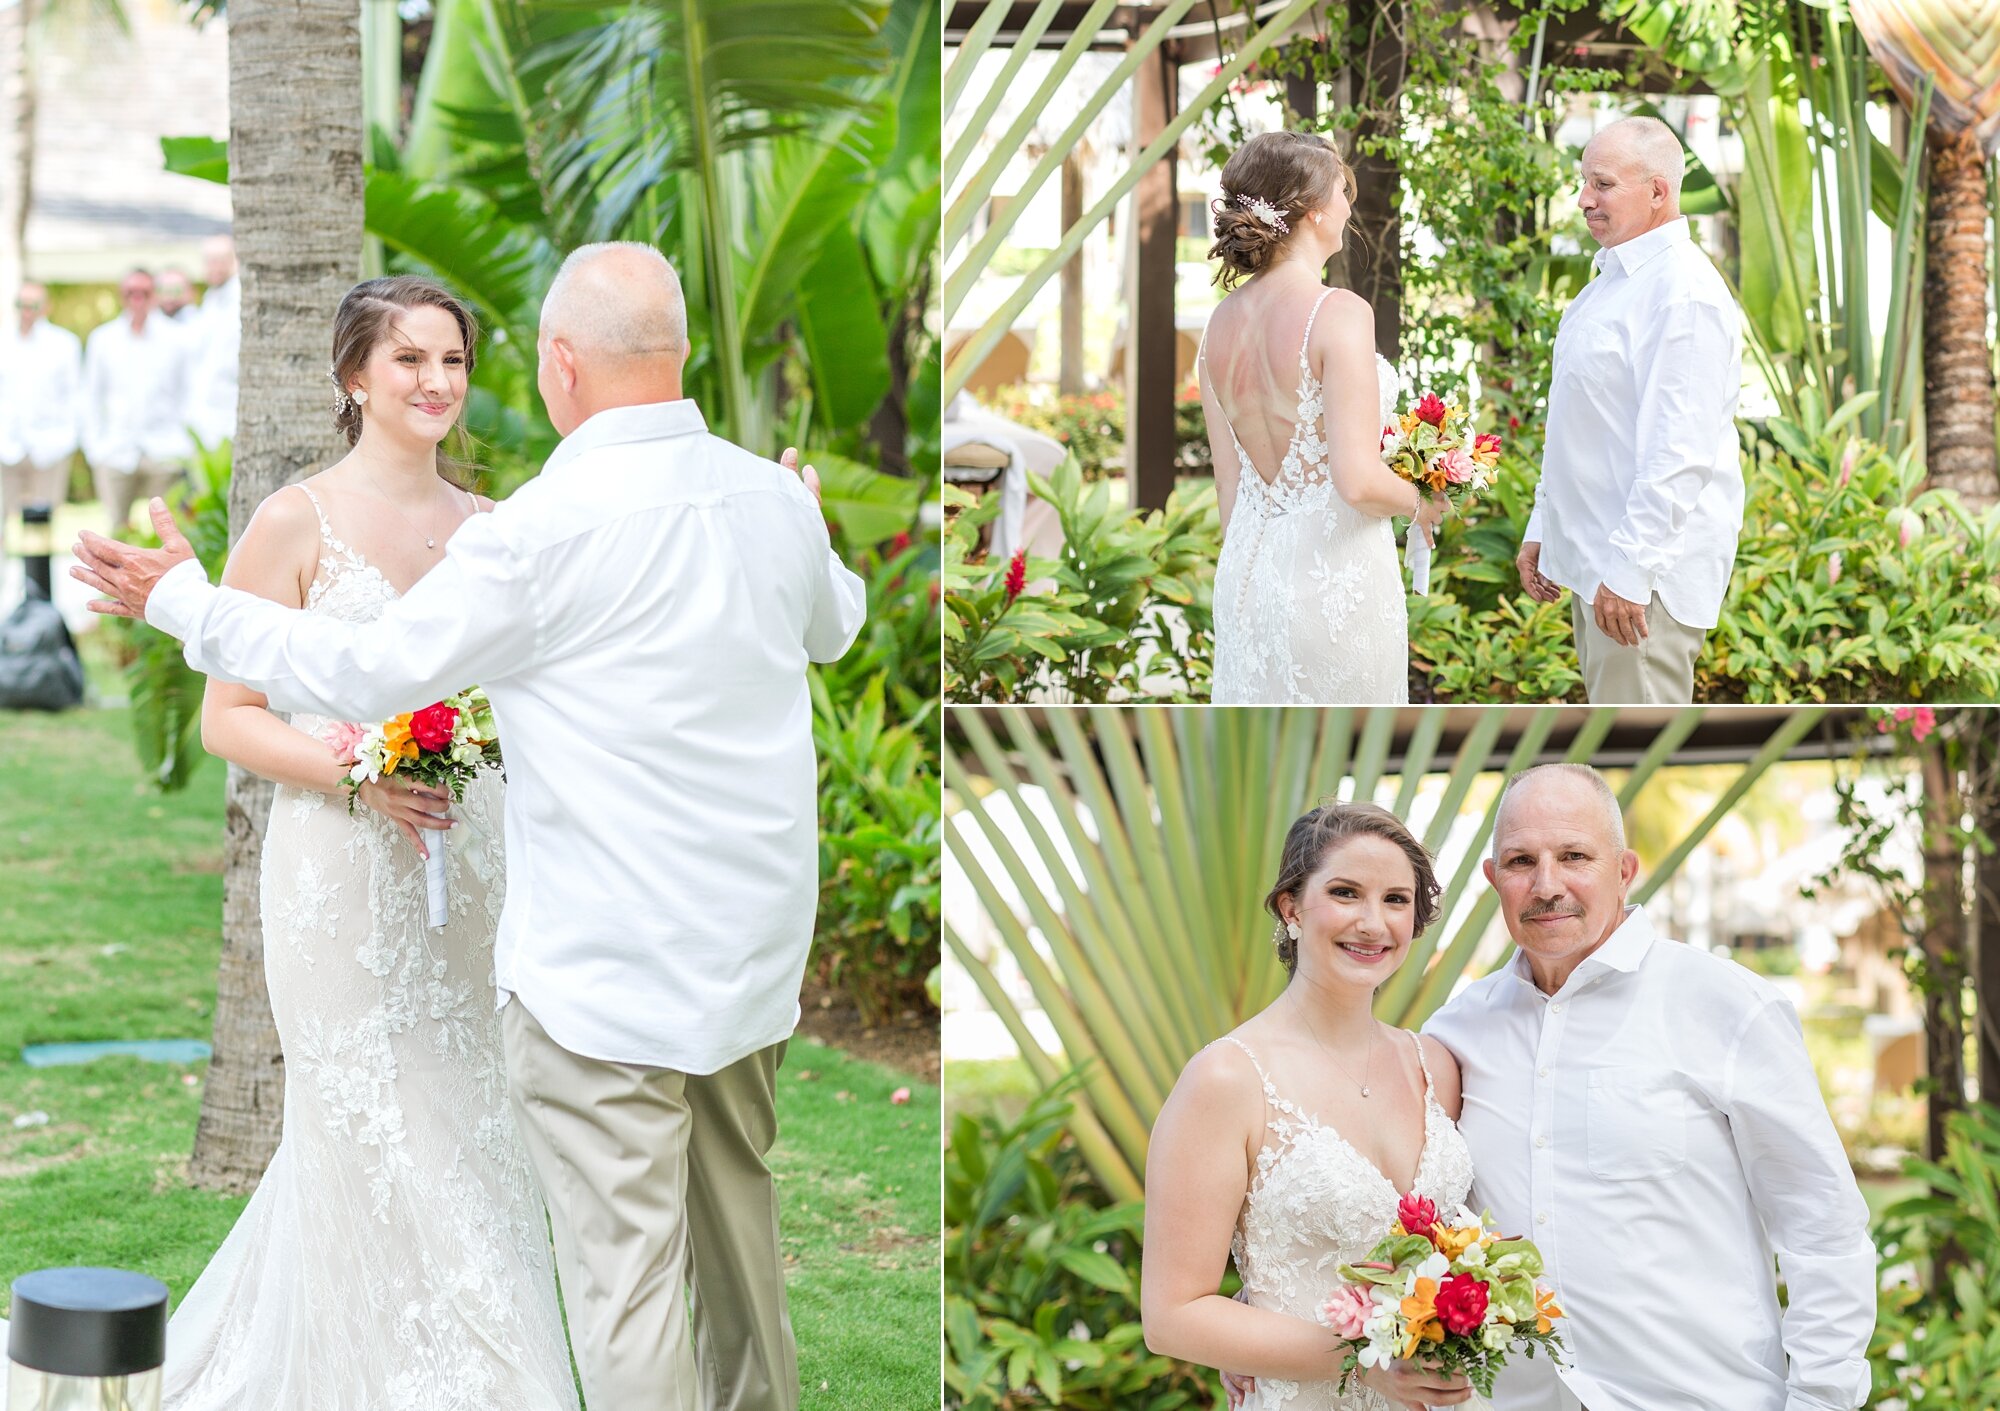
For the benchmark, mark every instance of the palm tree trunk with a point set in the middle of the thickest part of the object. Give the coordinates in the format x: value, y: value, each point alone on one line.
x: 16, y: 194
x: 295, y: 175
x: 1944, y: 946
x: 1958, y: 368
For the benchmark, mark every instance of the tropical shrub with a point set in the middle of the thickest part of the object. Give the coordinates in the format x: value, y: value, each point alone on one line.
x: 1937, y: 1343
x: 1851, y: 582
x: 1123, y: 613
x: 876, y: 939
x: 1041, y: 1273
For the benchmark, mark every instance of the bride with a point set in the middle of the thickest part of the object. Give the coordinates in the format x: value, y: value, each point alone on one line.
x: 1309, y: 605
x: 1287, y: 1144
x: 395, y: 1253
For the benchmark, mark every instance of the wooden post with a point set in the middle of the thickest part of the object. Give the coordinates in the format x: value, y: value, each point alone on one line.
x: 1070, y: 380
x: 1149, y: 296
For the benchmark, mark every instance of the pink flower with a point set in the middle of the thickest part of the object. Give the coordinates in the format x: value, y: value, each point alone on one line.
x: 1348, y: 1312
x: 1921, y: 720
x: 1833, y: 568
x: 1017, y: 575
x: 1847, y: 459
x: 1908, y: 524
x: 900, y: 1097
x: 1457, y: 466
x: 344, y: 739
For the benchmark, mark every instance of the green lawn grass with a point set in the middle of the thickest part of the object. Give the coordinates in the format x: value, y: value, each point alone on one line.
x: 110, y: 904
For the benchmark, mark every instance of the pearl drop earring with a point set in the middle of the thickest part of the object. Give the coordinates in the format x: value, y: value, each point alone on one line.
x: 1292, y: 930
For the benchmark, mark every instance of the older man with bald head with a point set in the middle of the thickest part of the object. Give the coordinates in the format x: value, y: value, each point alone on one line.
x: 1641, y: 495
x: 641, y: 614
x: 1646, y: 1113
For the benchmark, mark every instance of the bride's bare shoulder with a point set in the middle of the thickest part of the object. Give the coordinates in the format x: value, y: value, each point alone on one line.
x: 1221, y: 1072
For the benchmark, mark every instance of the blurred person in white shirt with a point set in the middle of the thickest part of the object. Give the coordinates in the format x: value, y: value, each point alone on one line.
x: 41, y: 373
x: 175, y: 295
x: 1641, y: 496
x: 134, y: 401
x: 218, y: 330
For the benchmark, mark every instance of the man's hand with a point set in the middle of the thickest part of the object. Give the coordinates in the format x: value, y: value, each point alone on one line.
x: 790, y: 461
x: 1238, y: 1389
x: 1619, y: 619
x: 126, y: 574
x: 1529, y: 562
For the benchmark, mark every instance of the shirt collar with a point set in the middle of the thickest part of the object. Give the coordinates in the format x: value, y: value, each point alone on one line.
x: 1641, y: 248
x: 1624, y: 949
x: 615, y: 426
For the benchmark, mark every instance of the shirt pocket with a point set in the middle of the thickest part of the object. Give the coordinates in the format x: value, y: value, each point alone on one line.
x: 1635, y: 1124
x: 1596, y: 365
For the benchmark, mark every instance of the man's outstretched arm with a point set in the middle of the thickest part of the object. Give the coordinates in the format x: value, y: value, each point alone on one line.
x: 471, y: 619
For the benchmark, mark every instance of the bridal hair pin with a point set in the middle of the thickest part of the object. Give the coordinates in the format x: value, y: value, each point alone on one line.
x: 1264, y: 211
x: 341, y: 401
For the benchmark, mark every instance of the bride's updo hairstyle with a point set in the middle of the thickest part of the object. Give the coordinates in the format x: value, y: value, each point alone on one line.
x: 1316, y: 834
x: 1274, y: 181
x: 363, y: 320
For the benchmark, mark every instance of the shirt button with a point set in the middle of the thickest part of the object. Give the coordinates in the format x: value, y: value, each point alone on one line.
x: 1541, y: 1141
x: 1556, y: 1008
x: 1542, y: 1219
x: 1542, y: 1072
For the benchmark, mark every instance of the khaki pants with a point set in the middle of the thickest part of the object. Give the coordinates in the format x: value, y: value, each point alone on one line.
x: 1659, y: 671
x: 118, y: 490
x: 25, y: 483
x: 656, y: 1183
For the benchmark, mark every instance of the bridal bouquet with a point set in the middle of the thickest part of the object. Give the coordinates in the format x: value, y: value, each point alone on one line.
x: 1433, y: 446
x: 442, y: 745
x: 1458, y: 1294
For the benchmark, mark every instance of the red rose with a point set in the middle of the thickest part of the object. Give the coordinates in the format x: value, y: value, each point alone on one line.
x: 1416, y: 1213
x: 1431, y: 409
x: 1461, y: 1303
x: 431, y: 727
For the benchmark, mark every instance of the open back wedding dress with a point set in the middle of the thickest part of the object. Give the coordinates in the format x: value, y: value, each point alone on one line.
x: 395, y: 1255
x: 1316, y: 1203
x: 1309, y: 605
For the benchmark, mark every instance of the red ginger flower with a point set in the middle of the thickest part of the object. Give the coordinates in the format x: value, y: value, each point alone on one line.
x: 1461, y: 1303
x: 1417, y: 1214
x: 1431, y: 409
x: 431, y: 727
x: 1017, y: 574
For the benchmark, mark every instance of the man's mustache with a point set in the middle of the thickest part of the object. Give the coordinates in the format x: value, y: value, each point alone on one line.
x: 1536, y: 913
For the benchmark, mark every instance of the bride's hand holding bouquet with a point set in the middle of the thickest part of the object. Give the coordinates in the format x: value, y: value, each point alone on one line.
x: 1433, y: 446
x: 1457, y: 1295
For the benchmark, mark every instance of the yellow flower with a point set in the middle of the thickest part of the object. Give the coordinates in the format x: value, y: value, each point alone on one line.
x: 1420, y: 1308
x: 1454, y: 1241
x: 1409, y: 422
x: 1545, y: 1309
x: 399, y: 742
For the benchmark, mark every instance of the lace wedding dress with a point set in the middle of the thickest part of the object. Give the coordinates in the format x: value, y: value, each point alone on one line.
x: 1309, y: 605
x: 395, y: 1255
x: 1316, y: 1203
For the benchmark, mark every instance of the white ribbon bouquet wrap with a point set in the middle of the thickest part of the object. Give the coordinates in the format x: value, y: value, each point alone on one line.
x: 442, y: 746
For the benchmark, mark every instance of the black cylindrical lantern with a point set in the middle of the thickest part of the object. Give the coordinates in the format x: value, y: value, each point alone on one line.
x: 37, y: 544
x: 86, y: 1340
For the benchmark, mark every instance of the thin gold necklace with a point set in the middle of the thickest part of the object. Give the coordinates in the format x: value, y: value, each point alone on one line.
x: 430, y: 540
x: 1370, y: 1070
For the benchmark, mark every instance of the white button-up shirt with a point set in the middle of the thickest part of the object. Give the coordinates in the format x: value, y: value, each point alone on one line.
x: 135, y: 394
x: 641, y: 615
x: 1642, y: 475
x: 41, y: 378
x: 1656, y: 1129
x: 218, y: 337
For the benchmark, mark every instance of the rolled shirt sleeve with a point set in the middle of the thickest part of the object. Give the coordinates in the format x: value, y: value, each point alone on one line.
x: 1805, y: 1195
x: 469, y: 620
x: 1681, y: 401
x: 839, y: 609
